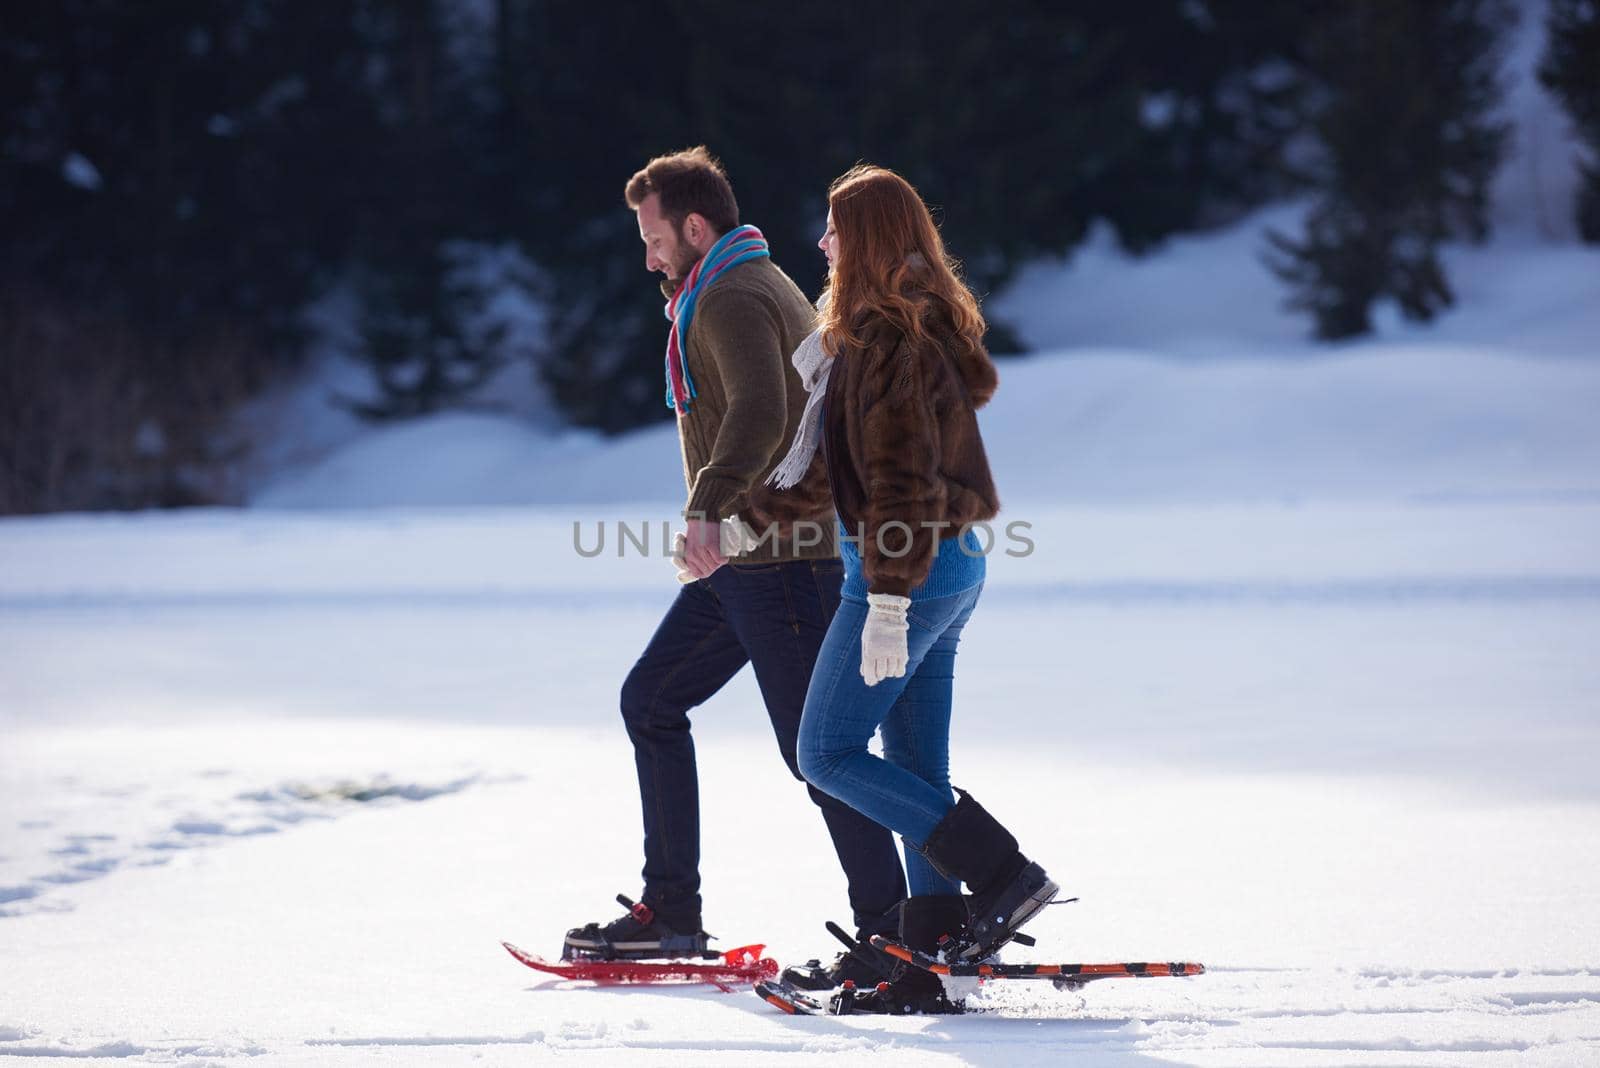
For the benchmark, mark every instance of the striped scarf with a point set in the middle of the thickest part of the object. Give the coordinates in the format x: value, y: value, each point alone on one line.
x: 739, y: 245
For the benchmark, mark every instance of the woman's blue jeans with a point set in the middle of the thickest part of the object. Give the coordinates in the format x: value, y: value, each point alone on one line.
x: 907, y: 789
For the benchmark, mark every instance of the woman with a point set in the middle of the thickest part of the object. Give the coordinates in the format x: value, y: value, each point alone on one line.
x: 893, y: 410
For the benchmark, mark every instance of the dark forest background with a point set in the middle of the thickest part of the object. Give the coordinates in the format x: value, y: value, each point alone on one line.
x: 181, y: 179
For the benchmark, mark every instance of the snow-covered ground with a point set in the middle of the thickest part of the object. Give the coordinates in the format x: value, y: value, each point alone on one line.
x: 1299, y: 680
x: 276, y: 783
x: 275, y: 786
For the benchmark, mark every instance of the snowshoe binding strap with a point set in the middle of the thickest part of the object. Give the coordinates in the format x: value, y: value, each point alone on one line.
x: 640, y: 911
x: 647, y: 915
x: 862, y: 952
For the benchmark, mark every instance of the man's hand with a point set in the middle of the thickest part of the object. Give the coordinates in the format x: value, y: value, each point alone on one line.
x: 702, y: 548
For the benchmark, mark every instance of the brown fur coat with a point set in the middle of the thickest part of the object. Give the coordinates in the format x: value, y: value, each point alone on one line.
x: 901, y: 439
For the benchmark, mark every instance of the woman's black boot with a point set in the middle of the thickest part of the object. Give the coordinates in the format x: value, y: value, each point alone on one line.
x: 1006, y: 888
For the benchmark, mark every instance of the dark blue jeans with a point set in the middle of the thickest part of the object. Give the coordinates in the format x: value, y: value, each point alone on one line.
x: 774, y: 617
x: 908, y: 788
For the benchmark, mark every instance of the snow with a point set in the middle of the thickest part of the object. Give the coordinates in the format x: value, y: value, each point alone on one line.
x: 78, y: 171
x: 1210, y: 297
x: 1340, y: 752
x: 1297, y: 680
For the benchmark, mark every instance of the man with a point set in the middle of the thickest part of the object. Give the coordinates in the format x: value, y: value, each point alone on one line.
x: 736, y: 318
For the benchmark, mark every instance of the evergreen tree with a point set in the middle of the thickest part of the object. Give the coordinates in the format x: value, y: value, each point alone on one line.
x: 179, y: 179
x: 154, y: 224
x: 1027, y: 121
x: 1571, y: 70
x: 426, y: 178
x: 417, y: 334
x: 1407, y: 151
x: 581, y: 103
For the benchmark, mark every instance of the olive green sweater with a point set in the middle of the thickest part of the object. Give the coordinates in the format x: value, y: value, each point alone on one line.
x: 746, y: 325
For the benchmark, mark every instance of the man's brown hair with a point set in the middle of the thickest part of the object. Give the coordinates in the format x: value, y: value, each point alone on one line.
x: 689, y: 182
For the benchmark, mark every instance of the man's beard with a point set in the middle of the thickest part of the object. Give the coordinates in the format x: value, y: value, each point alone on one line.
x: 683, y: 260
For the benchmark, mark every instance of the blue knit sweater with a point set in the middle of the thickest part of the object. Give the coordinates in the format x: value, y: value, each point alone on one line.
x: 954, y: 569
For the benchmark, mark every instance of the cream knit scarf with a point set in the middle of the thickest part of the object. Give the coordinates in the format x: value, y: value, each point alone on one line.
x: 813, y: 363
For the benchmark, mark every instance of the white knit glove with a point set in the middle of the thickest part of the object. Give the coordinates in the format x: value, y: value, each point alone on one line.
x: 883, y: 639
x: 679, y: 540
x: 737, y: 537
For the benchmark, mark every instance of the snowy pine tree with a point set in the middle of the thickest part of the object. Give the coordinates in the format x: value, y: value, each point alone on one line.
x: 415, y: 335
x: 1407, y: 149
x: 1571, y: 70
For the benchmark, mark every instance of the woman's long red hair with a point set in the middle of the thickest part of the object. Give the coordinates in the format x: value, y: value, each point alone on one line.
x: 892, y: 264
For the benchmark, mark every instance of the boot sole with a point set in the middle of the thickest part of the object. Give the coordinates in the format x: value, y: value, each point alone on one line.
x: 634, y: 950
